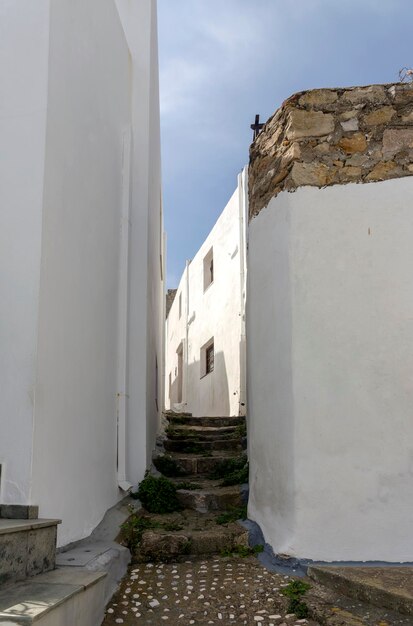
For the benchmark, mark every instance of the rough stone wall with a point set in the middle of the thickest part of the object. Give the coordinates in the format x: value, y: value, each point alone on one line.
x: 333, y: 136
x: 170, y: 297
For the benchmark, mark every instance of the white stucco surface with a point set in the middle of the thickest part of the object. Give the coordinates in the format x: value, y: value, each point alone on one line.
x: 81, y: 337
x: 330, y: 391
x: 24, y: 48
x: 215, y: 312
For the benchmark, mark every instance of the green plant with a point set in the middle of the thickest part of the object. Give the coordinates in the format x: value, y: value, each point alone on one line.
x: 237, y: 477
x: 133, y: 529
x: 168, y: 466
x: 188, y: 485
x: 186, y: 548
x: 178, y: 419
x: 226, y: 467
x: 232, y: 515
x: 294, y: 591
x: 172, y: 526
x: 192, y: 447
x: 241, y: 430
x: 242, y: 551
x: 158, y: 495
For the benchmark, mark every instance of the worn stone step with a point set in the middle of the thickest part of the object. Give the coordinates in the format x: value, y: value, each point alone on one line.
x: 199, y: 447
x: 27, y: 548
x: 211, y: 498
x: 385, y: 587
x: 163, y: 545
x: 331, y: 608
x: 63, y: 596
x: 202, y: 433
x: 190, y: 420
x: 194, y: 464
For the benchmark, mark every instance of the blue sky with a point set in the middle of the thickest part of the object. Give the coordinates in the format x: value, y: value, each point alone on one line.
x: 222, y: 61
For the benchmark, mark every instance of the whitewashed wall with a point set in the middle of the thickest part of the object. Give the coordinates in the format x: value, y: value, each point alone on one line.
x: 217, y: 312
x: 330, y: 347
x: 147, y: 254
x: 24, y: 36
x: 98, y: 63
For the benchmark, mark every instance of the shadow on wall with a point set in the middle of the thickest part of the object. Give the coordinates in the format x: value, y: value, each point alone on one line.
x: 242, y: 390
x: 207, y: 395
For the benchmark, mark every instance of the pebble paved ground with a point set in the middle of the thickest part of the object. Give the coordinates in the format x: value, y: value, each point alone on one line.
x: 216, y: 591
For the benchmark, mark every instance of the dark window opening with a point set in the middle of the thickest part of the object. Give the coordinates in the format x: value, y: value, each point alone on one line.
x: 209, y: 355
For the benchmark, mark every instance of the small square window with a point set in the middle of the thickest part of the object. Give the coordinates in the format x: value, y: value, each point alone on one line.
x: 208, y: 269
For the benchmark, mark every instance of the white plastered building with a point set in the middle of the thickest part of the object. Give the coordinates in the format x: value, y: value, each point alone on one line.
x: 330, y: 326
x: 205, y: 328
x: 81, y: 255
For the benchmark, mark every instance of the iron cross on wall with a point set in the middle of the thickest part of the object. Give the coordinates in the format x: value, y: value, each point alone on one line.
x: 256, y: 127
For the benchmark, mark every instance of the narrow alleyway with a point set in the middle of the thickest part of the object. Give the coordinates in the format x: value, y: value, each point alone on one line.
x: 201, y: 569
x: 193, y: 565
x: 220, y: 590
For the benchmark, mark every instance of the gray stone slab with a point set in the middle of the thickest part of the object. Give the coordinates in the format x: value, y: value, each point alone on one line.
x: 19, y: 511
x: 78, y: 576
x: 8, y: 526
x: 13, y: 557
x: 41, y: 550
x: 29, y: 601
x: 386, y: 587
x: 82, y: 554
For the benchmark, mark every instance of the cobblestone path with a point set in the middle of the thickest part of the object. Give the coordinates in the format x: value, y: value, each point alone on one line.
x: 228, y: 590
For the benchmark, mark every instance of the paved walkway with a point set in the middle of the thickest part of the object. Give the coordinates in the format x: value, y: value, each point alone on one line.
x: 215, y: 591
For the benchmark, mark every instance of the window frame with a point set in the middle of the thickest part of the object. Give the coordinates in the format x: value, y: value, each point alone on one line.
x: 208, y: 269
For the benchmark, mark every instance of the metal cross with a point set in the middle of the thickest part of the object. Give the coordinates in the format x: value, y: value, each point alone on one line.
x: 256, y: 127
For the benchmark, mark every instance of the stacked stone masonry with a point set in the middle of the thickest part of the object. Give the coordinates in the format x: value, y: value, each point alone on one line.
x: 333, y: 136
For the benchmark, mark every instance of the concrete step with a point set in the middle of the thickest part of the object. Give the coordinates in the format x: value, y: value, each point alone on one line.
x: 385, y: 587
x: 200, y: 447
x: 27, y: 548
x: 163, y: 545
x: 19, y: 511
x: 202, y: 433
x: 63, y: 596
x: 194, y: 464
x: 210, y: 498
x: 189, y: 420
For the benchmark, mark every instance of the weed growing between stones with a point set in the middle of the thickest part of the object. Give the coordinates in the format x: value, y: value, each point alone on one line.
x: 179, y: 419
x: 243, y: 551
x: 158, y: 495
x: 193, y: 447
x: 237, y: 477
x: 241, y: 430
x: 188, y: 485
x: 186, y: 548
x: 232, y: 471
x: 168, y: 466
x: 172, y: 526
x: 232, y: 516
x: 133, y: 528
x: 294, y: 591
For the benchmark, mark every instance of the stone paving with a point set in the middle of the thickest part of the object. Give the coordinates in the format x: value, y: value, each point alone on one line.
x: 226, y: 590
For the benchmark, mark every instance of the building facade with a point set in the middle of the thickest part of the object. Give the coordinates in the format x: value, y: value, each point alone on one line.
x: 81, y: 255
x: 205, y: 328
x: 329, y: 325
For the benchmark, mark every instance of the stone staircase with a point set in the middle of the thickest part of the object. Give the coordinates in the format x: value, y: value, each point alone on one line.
x: 199, y: 453
x: 37, y: 586
x: 27, y: 544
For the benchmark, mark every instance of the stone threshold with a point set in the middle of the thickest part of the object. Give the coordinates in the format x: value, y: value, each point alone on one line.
x: 385, y: 587
x: 28, y: 602
x: 9, y: 526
